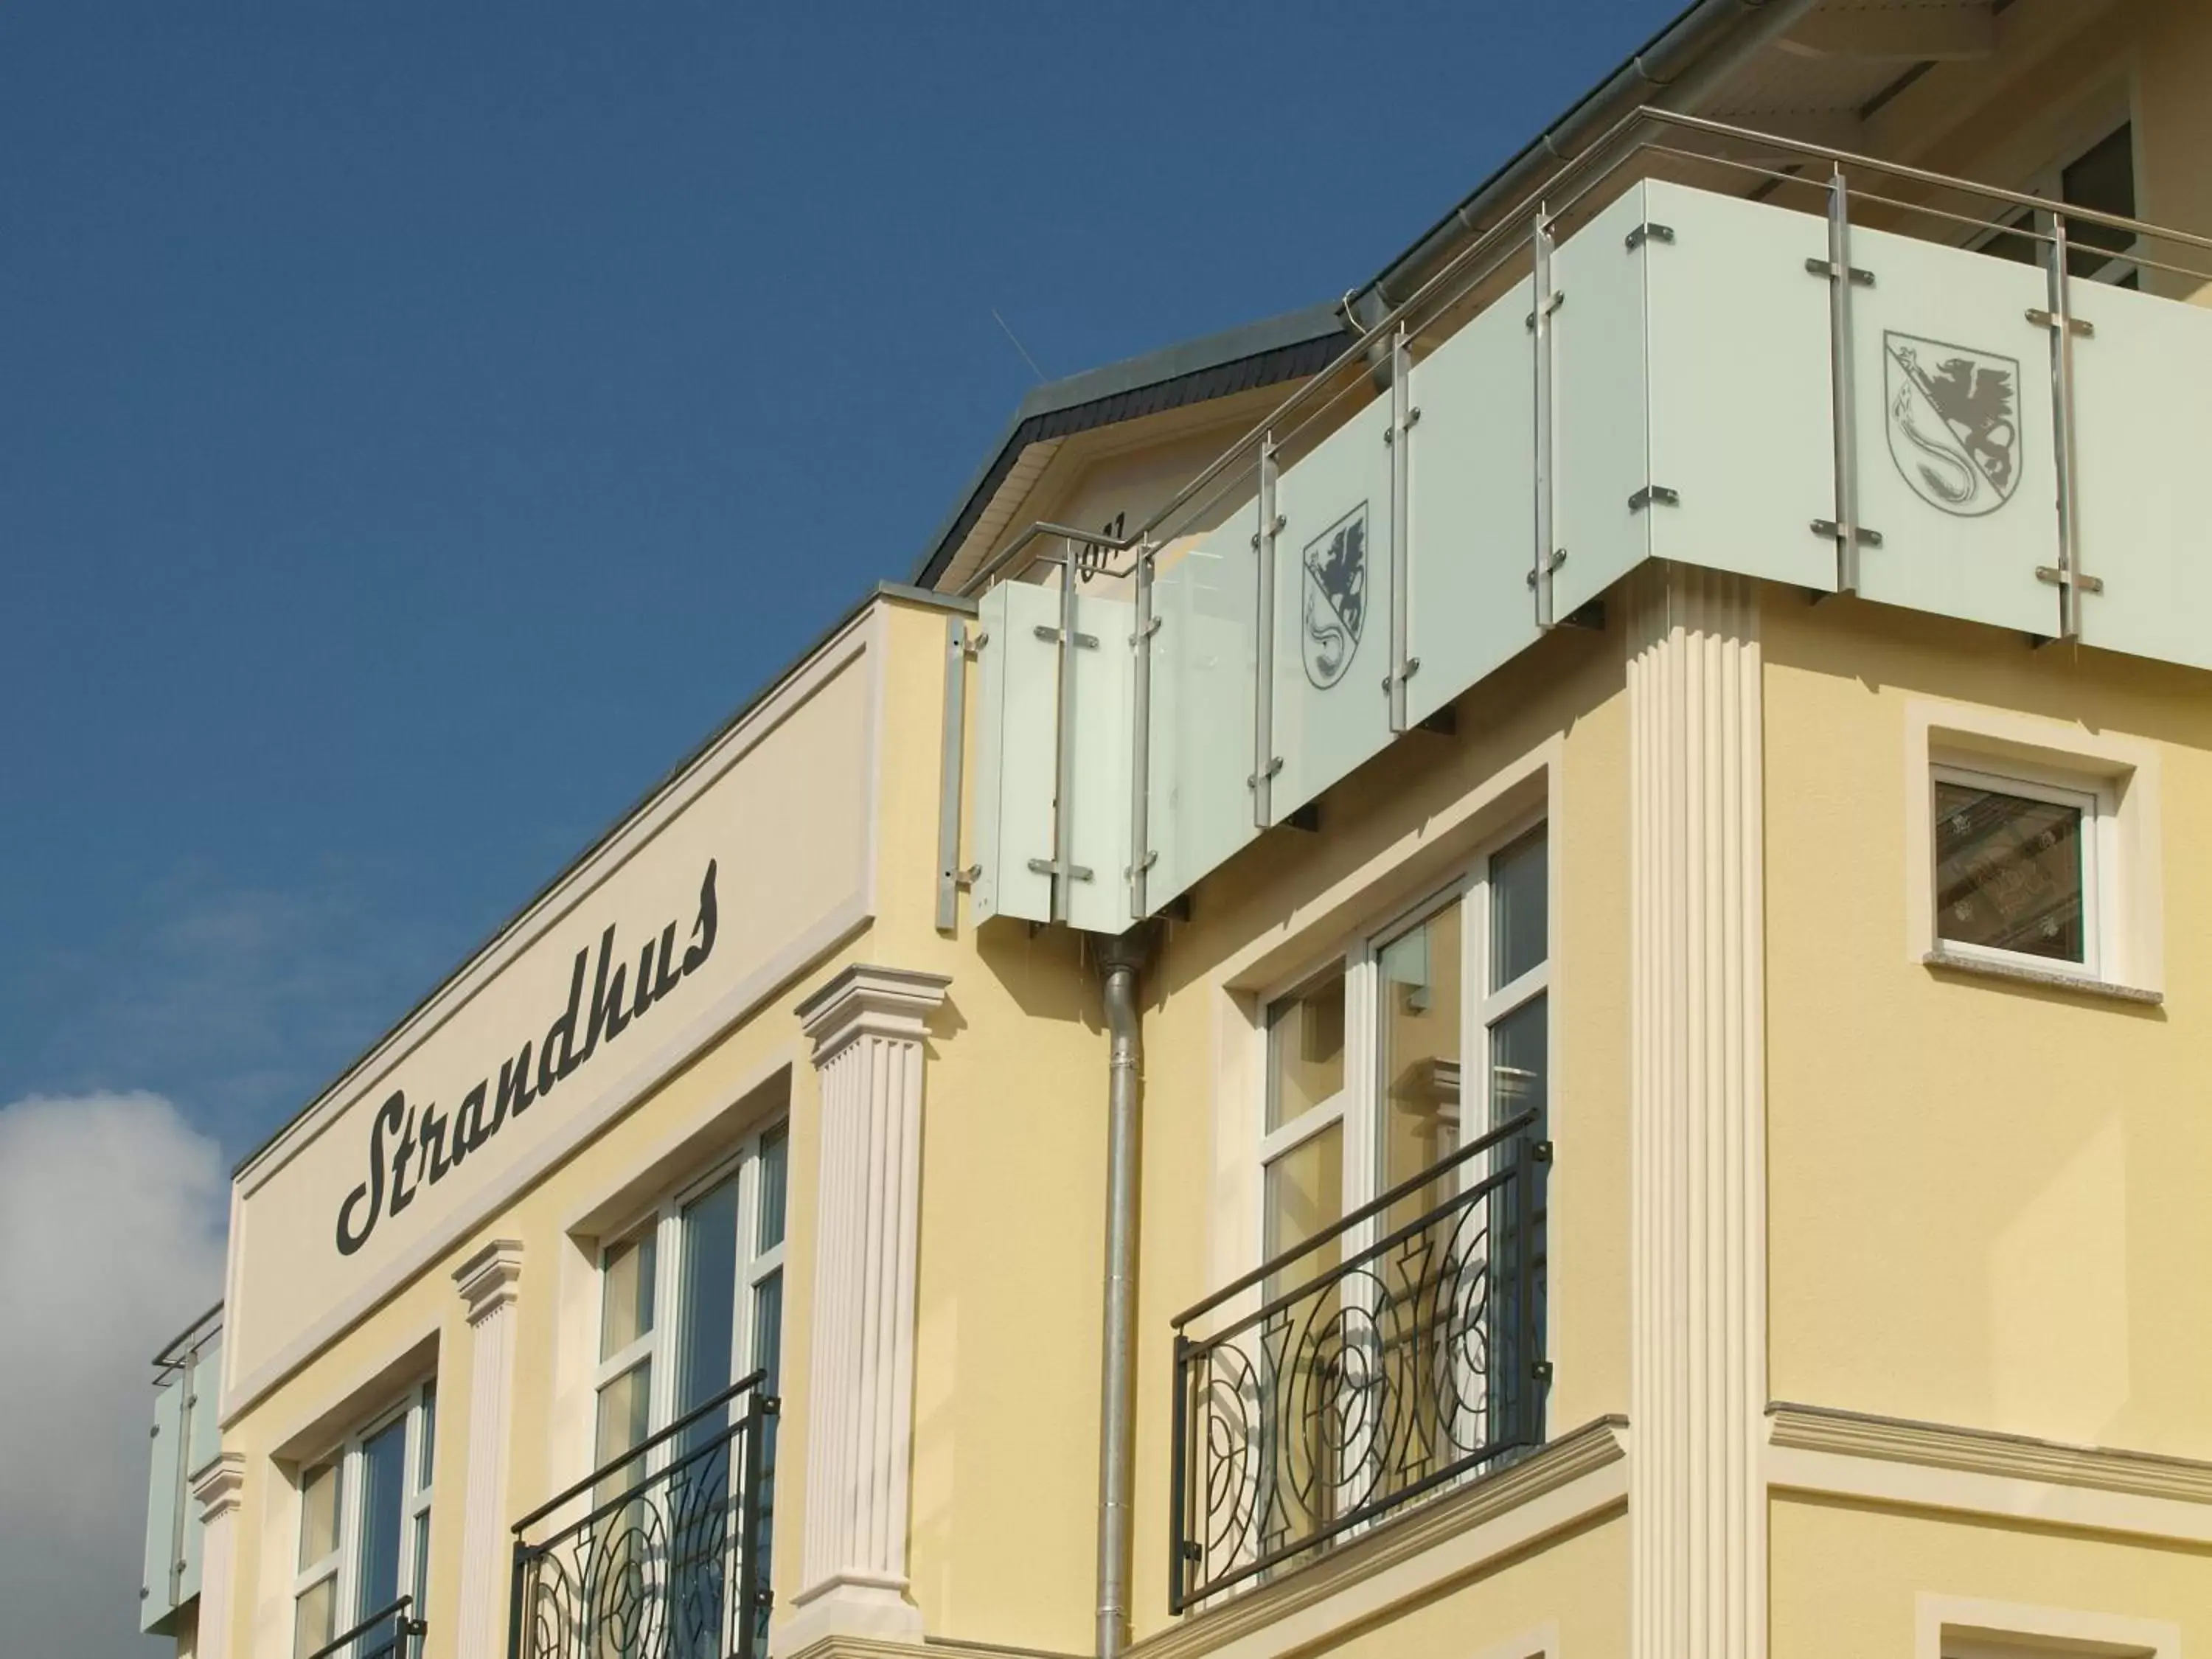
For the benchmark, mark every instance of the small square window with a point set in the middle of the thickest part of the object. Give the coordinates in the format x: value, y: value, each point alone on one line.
x: 2015, y: 869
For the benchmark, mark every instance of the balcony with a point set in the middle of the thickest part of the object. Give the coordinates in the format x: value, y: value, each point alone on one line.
x: 1382, y: 1361
x: 662, y: 1553
x: 1705, y: 346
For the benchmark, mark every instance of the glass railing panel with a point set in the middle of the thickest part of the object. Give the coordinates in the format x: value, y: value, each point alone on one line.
x: 1600, y: 404
x: 1954, y: 433
x: 1332, y: 597
x: 1204, y: 663
x: 1742, y: 423
x: 1472, y: 515
x: 2142, y: 389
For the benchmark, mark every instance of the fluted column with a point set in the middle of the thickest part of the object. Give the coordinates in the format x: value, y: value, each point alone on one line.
x: 1697, y: 1098
x: 866, y: 1026
x: 489, y: 1281
x: 217, y: 1489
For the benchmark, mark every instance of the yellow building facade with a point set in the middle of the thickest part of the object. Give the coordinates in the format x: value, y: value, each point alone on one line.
x: 1672, y: 1129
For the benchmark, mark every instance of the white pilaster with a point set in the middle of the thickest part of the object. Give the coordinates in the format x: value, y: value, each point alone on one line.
x: 866, y: 1026
x: 488, y: 1282
x: 217, y: 1489
x: 1697, y: 1102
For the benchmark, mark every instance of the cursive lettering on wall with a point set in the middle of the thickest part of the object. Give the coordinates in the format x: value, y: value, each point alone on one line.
x: 410, y: 1148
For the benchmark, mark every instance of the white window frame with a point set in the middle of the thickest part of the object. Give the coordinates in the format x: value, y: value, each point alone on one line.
x: 342, y: 1563
x: 665, y: 1220
x: 2099, y: 860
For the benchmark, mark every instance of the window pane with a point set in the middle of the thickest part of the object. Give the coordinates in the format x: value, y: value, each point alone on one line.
x: 707, y: 1297
x: 383, y: 1481
x: 1516, y: 1065
x: 1519, y: 902
x: 419, y: 1586
x: 1305, y: 1048
x: 2103, y: 178
x: 319, y: 1514
x: 2009, y: 872
x: 624, y: 1408
x: 1305, y: 1195
x: 774, y: 1161
x: 1418, y: 1029
x: 429, y: 1436
x: 625, y: 1311
x: 314, y: 1618
x: 768, y: 1328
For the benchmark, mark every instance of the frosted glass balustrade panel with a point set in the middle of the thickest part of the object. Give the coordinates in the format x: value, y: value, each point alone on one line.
x: 1471, y: 503
x: 1204, y: 659
x: 1014, y: 777
x: 1952, y: 396
x: 1600, y: 403
x: 1332, y: 609
x: 1098, y: 810
x: 1742, y: 420
x: 2142, y: 409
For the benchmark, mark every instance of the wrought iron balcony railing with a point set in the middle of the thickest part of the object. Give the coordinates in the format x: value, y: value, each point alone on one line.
x: 667, y: 1558
x: 390, y: 1632
x: 1395, y: 1352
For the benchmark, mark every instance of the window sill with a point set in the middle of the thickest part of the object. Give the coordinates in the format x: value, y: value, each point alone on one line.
x: 2056, y: 979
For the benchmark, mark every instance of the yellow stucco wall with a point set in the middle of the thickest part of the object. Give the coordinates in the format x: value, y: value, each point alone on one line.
x: 1847, y: 1577
x: 1987, y: 1198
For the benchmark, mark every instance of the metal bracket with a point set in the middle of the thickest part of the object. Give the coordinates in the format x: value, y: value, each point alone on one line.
x: 1826, y: 270
x: 1647, y: 233
x: 1054, y: 867
x: 1390, y: 432
x: 2058, y: 578
x: 1654, y: 495
x: 978, y: 640
x: 1281, y: 524
x: 966, y: 878
x: 1050, y: 635
x: 1141, y: 635
x: 1827, y: 530
x: 1558, y: 558
x: 1558, y: 298
x: 1273, y: 767
x: 2077, y: 326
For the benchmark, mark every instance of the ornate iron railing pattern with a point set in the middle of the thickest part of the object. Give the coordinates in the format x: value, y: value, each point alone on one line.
x: 388, y: 1633
x: 1385, y: 1358
x: 665, y: 1562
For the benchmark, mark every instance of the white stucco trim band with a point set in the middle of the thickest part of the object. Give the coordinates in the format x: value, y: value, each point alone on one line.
x: 867, y: 1025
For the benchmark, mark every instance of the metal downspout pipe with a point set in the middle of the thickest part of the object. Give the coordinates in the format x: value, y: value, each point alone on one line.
x: 1121, y: 963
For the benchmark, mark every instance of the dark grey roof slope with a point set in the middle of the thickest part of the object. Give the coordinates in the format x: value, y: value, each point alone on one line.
x: 1259, y: 354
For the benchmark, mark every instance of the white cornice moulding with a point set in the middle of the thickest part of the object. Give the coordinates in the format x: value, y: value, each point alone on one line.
x: 1987, y: 1451
x: 863, y: 1001
x: 491, y: 1279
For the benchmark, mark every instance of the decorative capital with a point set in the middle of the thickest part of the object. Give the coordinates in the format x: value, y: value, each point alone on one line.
x: 866, y: 1001
x: 217, y: 1487
x: 488, y: 1278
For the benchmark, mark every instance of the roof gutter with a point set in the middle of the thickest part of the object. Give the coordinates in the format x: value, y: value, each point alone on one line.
x: 1676, y: 69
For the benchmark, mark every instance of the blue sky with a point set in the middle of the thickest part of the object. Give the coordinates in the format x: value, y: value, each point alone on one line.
x: 423, y: 423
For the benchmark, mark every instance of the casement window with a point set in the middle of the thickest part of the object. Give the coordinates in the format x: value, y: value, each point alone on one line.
x: 691, y: 1298
x: 2022, y: 869
x: 2101, y: 177
x: 1369, y: 1060
x: 365, y: 1531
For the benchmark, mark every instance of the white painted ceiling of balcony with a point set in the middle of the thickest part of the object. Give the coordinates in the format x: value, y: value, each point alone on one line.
x: 1821, y: 80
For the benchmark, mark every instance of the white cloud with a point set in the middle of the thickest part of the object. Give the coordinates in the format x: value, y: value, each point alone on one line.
x: 111, y: 1212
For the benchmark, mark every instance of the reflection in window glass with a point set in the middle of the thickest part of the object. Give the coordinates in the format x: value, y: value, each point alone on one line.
x: 1519, y: 907
x: 319, y: 1514
x: 626, y: 1308
x: 625, y: 1411
x: 2008, y: 874
x: 707, y: 1300
x: 1306, y: 1049
x: 314, y: 1619
x: 1305, y: 1196
x: 1418, y: 978
x: 1516, y: 1064
x: 383, y: 1478
x: 774, y: 1160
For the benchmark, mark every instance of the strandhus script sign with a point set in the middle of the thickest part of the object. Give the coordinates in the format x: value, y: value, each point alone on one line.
x: 420, y: 1146
x: 642, y: 964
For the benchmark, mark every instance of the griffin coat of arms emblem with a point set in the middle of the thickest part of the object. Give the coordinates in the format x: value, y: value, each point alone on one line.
x: 1953, y: 421
x: 1335, y: 597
